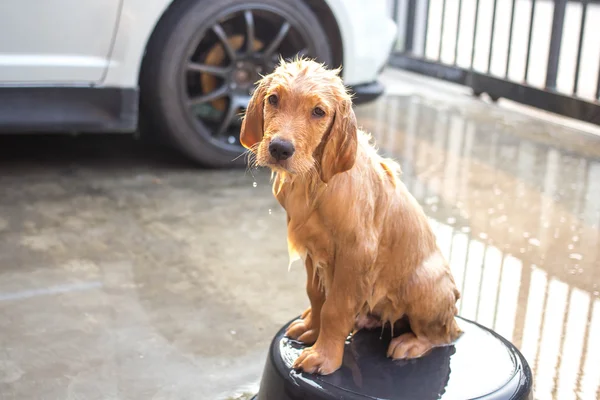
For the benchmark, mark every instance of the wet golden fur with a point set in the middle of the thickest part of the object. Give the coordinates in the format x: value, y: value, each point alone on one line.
x: 369, y: 252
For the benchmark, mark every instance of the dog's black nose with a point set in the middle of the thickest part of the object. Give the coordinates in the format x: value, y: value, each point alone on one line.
x: 281, y: 149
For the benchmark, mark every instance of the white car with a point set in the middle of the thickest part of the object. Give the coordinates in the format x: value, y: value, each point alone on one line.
x: 184, y: 67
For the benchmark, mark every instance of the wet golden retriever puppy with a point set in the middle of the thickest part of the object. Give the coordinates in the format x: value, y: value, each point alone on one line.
x: 371, y: 257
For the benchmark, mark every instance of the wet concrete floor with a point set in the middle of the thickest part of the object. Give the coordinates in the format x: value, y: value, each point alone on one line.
x: 126, y: 273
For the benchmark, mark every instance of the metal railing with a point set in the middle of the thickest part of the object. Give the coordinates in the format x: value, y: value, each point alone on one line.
x: 540, y: 60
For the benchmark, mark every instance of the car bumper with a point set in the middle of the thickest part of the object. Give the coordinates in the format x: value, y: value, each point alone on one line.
x: 368, y: 34
x: 367, y: 92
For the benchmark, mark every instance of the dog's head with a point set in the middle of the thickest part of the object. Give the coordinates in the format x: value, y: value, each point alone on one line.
x: 300, y: 120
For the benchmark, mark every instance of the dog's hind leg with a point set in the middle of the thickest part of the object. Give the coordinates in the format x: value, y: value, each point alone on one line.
x: 431, y: 297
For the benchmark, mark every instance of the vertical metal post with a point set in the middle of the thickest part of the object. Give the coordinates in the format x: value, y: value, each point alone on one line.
x: 529, y: 40
x: 395, y: 10
x: 411, y: 16
x: 598, y: 85
x: 492, y: 37
x: 510, y: 35
x: 457, y: 30
x: 558, y: 21
x: 584, y: 4
x: 475, y: 32
x: 442, y: 30
x: 426, y: 28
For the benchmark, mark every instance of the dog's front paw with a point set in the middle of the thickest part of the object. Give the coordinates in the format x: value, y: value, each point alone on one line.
x: 303, y: 330
x: 319, y: 361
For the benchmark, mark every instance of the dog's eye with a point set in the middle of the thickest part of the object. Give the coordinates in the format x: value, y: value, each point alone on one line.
x: 273, y: 100
x: 318, y: 112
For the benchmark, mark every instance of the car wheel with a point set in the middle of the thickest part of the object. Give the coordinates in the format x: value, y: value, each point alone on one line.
x: 203, y: 61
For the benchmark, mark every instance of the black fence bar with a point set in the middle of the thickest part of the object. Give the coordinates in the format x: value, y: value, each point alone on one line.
x: 510, y: 35
x: 442, y: 30
x: 584, y: 4
x: 410, y: 26
x: 475, y: 32
x: 558, y: 21
x: 426, y: 27
x: 598, y: 85
x: 531, y: 20
x: 457, y: 31
x: 489, y: 66
x: 395, y: 10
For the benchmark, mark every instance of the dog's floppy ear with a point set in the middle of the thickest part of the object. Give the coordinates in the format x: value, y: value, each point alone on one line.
x: 339, y: 153
x: 252, y: 124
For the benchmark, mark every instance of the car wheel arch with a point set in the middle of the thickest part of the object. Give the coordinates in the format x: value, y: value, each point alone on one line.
x: 320, y: 8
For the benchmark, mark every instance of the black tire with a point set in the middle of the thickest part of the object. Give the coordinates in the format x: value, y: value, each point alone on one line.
x: 171, y: 94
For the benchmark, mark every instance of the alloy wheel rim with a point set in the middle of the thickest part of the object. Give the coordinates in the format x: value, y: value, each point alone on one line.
x: 225, y: 60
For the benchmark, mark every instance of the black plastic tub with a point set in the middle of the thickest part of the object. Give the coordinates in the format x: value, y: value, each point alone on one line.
x: 479, y: 365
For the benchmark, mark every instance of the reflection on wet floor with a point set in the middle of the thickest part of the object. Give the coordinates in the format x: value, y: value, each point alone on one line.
x: 515, y: 204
